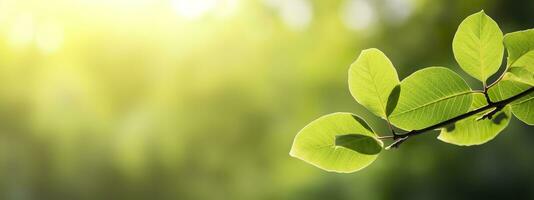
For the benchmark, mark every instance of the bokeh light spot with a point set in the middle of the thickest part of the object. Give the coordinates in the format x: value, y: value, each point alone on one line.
x: 193, y: 9
x: 22, y: 31
x: 49, y: 37
x: 358, y: 15
x: 398, y: 11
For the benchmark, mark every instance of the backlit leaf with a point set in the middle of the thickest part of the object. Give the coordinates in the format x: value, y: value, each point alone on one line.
x: 372, y: 77
x: 475, y: 131
x: 430, y: 96
x: 522, y: 108
x: 478, y: 46
x: 522, y: 70
x: 519, y: 45
x: 338, y: 142
x: 506, y: 88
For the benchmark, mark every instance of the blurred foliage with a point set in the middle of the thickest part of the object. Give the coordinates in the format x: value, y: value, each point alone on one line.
x: 200, y: 99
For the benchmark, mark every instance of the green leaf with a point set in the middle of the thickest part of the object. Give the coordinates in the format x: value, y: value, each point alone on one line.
x: 372, y: 77
x: 520, y: 47
x: 520, y: 44
x: 522, y: 74
x: 475, y: 131
x: 519, y: 76
x: 522, y: 70
x: 338, y: 142
x: 506, y: 88
x: 359, y: 143
x: 522, y: 108
x: 478, y: 46
x: 430, y: 96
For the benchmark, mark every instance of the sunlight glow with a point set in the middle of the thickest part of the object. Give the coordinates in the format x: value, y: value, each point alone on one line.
x: 22, y: 31
x: 358, y: 15
x: 226, y: 8
x: 192, y: 9
x: 49, y: 37
x: 296, y: 14
x: 398, y: 11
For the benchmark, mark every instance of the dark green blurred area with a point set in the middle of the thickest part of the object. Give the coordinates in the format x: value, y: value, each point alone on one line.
x: 148, y: 100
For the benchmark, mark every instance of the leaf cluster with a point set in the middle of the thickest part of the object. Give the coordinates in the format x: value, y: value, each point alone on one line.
x: 432, y: 98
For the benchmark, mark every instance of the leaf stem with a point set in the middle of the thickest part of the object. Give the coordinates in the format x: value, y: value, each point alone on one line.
x: 499, y: 105
x: 385, y: 137
x: 498, y: 79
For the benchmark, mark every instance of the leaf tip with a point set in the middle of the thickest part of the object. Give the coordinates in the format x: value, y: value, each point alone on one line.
x: 369, y: 50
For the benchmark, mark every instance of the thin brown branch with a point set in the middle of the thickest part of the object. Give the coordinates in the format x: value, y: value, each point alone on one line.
x: 499, y: 105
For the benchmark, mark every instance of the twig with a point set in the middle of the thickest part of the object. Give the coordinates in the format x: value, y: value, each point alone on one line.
x: 499, y: 105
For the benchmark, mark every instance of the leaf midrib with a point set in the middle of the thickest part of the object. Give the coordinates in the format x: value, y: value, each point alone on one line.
x: 482, y: 71
x: 373, y: 80
x: 519, y: 58
x: 524, y: 101
x: 430, y: 103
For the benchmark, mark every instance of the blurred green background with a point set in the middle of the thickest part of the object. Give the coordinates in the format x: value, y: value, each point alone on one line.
x: 201, y: 99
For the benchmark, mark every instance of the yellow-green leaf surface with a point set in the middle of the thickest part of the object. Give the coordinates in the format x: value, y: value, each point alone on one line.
x: 430, y: 96
x: 478, y: 46
x: 522, y: 69
x: 519, y: 45
x: 520, y: 75
x: 522, y: 108
x: 338, y: 142
x: 472, y: 131
x: 371, y: 79
x: 507, y: 88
